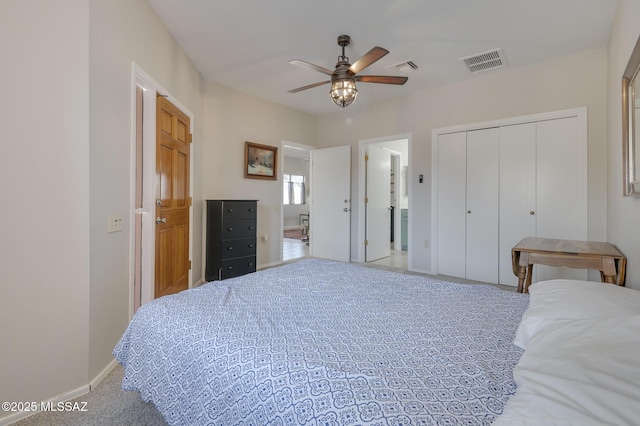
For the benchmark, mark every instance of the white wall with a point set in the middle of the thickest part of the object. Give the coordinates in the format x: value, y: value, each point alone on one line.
x: 122, y: 32
x: 231, y: 118
x: 44, y: 173
x: 67, y: 105
x: 565, y: 83
x: 623, y: 213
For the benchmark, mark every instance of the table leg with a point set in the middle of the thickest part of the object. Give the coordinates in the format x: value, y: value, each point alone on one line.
x: 529, y: 276
x: 523, y: 263
x: 609, y: 270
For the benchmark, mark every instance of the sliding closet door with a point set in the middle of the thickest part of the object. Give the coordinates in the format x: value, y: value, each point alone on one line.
x: 483, y: 154
x: 517, y: 192
x: 561, y: 180
x: 451, y: 203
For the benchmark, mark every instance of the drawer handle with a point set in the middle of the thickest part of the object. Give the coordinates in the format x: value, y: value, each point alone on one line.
x: 250, y: 264
x: 230, y: 248
x: 250, y: 209
x: 230, y: 229
x: 250, y: 245
x: 251, y: 228
x: 229, y: 268
x: 230, y: 210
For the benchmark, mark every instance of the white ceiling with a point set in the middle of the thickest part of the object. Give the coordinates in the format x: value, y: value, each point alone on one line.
x: 247, y: 44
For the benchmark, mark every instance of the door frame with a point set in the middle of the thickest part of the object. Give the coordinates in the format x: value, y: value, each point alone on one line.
x: 151, y: 89
x: 281, y: 161
x: 360, y: 232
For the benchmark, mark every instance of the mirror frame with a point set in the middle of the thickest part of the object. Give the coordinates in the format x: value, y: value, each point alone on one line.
x: 629, y: 142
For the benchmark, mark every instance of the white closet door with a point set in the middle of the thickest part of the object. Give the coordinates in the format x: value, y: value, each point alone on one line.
x: 561, y: 179
x: 482, y: 205
x: 517, y: 192
x: 451, y: 203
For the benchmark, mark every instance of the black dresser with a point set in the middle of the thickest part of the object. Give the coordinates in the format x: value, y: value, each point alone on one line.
x: 231, y: 238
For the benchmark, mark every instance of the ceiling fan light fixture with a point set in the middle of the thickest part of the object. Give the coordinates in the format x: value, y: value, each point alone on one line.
x: 343, y: 91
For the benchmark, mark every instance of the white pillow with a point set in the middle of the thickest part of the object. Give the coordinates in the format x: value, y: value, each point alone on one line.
x: 573, y: 299
x: 578, y: 372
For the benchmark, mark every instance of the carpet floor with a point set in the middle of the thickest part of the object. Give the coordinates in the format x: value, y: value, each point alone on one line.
x: 107, y: 404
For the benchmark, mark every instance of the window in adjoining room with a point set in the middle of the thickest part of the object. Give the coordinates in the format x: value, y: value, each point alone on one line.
x: 293, y: 191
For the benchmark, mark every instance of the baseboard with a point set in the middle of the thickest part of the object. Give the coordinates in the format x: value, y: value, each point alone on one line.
x: 268, y: 265
x: 104, y: 373
x: 67, y: 396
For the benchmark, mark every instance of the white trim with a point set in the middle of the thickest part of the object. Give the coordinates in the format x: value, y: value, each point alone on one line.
x: 281, y: 160
x: 151, y: 89
x: 64, y: 397
x: 104, y: 373
x: 551, y: 115
x: 67, y: 396
x: 269, y: 265
x: 579, y: 113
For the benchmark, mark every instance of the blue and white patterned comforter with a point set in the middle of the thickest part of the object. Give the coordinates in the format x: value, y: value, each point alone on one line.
x: 325, y: 343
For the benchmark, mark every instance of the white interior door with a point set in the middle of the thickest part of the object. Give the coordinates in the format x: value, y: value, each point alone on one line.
x: 517, y: 192
x: 451, y: 203
x: 378, y: 204
x: 330, y: 214
x: 482, y: 205
x: 561, y: 195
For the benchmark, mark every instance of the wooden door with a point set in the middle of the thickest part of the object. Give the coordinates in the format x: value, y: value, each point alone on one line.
x: 173, y: 138
x: 483, y: 154
x: 330, y: 218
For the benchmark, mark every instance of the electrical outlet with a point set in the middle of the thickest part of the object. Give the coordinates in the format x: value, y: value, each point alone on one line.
x: 114, y: 223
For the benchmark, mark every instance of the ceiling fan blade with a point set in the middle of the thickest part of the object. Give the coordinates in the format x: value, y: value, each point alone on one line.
x: 310, y: 66
x: 310, y: 86
x: 367, y: 59
x: 384, y: 79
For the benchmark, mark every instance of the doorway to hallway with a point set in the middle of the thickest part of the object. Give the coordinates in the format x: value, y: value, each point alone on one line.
x: 384, y: 205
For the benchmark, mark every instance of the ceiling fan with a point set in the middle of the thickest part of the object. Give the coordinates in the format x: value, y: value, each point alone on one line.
x: 343, y: 79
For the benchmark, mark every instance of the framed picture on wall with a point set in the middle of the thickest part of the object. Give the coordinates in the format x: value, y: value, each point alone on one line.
x: 260, y: 161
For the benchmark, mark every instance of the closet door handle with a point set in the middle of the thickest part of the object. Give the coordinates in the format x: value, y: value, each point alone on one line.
x: 468, y: 211
x: 532, y: 212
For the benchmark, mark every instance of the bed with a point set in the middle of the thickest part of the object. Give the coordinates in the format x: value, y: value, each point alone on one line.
x: 331, y: 343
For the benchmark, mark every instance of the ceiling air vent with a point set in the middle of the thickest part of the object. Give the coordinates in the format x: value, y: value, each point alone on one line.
x: 485, y: 61
x: 405, y: 67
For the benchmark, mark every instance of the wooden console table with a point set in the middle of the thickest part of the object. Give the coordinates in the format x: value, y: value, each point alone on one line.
x: 572, y: 254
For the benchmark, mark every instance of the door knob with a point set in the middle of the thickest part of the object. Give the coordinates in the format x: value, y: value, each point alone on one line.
x: 345, y: 209
x: 161, y: 220
x: 532, y: 212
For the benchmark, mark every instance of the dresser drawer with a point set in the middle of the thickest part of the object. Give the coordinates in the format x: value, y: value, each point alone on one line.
x: 236, y: 229
x: 237, y: 248
x: 237, y: 210
x: 236, y: 267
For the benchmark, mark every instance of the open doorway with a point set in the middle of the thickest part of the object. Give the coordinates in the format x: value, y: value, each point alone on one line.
x: 384, y: 206
x: 296, y: 187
